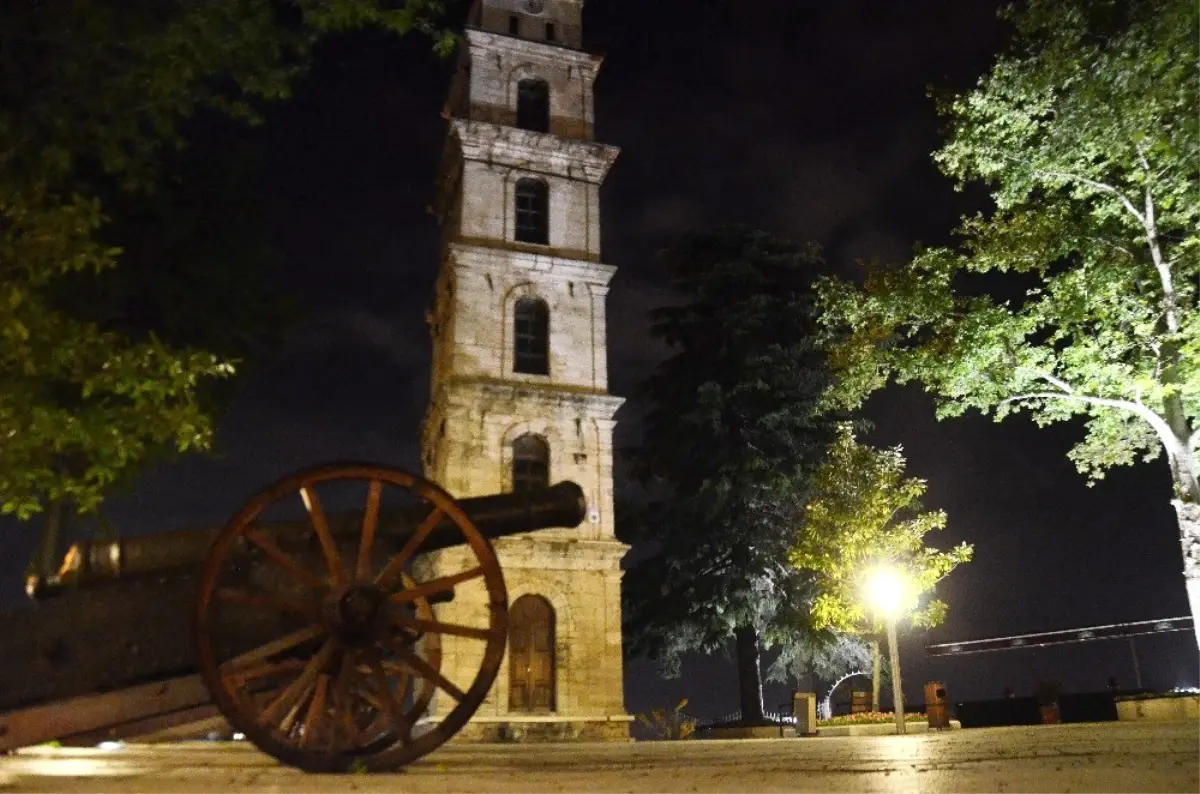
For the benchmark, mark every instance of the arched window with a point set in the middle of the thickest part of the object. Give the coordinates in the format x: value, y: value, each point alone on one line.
x: 531, y: 463
x: 531, y: 337
x: 533, y: 206
x: 531, y: 655
x: 533, y: 105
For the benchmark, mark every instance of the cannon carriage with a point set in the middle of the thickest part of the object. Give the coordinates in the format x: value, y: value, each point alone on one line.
x: 308, y: 622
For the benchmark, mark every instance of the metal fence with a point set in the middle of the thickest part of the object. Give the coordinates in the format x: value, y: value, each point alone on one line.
x: 735, y: 718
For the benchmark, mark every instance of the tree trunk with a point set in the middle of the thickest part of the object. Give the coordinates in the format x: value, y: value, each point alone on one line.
x: 875, y: 673
x: 750, y: 689
x: 50, y: 540
x: 1188, y: 514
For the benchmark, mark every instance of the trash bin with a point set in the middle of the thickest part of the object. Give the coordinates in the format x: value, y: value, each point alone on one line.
x: 804, y: 709
x: 860, y: 702
x: 936, y: 709
x: 1046, y: 693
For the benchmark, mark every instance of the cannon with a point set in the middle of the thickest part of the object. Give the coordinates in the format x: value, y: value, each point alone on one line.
x: 308, y: 621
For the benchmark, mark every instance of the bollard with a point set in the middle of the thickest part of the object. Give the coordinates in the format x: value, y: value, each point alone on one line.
x: 804, y: 709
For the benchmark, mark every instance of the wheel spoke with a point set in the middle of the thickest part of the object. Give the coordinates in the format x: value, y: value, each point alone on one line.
x: 396, y: 669
x: 370, y: 524
x: 275, y: 601
x: 289, y: 720
x: 321, y: 527
x: 343, y: 705
x: 316, y: 709
x: 396, y: 564
x: 437, y: 627
x: 281, y: 558
x: 298, y: 689
x: 278, y: 646
x: 434, y: 586
x: 394, y: 710
x: 244, y: 675
x: 423, y: 669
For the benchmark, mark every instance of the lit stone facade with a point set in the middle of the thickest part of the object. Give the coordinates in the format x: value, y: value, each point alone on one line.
x: 518, y: 198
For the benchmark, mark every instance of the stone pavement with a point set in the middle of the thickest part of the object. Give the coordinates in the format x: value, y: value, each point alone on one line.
x: 1096, y: 757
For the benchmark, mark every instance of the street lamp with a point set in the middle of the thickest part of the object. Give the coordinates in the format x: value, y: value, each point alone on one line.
x: 889, y: 593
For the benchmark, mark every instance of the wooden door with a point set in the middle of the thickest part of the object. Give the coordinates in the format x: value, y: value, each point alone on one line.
x: 531, y: 655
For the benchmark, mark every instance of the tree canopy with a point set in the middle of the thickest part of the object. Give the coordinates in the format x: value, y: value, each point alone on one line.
x: 734, y: 433
x: 864, y: 512
x: 1075, y: 296
x: 96, y: 103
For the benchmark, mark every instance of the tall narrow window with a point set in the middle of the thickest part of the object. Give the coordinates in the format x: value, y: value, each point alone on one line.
x: 533, y: 223
x: 551, y: 33
x: 531, y: 655
x: 531, y: 337
x: 514, y: 25
x: 533, y: 105
x: 531, y: 463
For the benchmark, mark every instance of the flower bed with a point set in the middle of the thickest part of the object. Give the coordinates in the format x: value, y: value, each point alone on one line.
x: 868, y: 718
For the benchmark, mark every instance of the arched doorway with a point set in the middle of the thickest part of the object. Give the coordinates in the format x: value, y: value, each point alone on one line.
x: 531, y: 655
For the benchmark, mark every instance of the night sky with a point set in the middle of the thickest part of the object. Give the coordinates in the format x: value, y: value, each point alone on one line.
x: 807, y: 119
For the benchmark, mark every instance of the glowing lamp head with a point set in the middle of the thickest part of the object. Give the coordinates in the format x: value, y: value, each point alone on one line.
x: 888, y: 591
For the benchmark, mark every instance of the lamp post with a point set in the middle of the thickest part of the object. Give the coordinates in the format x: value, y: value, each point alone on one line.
x: 889, y: 593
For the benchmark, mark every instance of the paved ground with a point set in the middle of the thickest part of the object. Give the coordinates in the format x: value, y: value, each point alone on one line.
x: 1099, y: 757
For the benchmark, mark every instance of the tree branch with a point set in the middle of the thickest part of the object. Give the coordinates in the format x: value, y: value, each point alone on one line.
x: 1161, y: 265
x: 1059, y: 382
x: 1112, y: 245
x: 1141, y: 151
x: 1165, y: 435
x: 1145, y: 217
x: 1194, y: 440
x: 1101, y: 186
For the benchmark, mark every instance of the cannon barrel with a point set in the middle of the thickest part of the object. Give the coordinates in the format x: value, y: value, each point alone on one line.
x: 496, y: 516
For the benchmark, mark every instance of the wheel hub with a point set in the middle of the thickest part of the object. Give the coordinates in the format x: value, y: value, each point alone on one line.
x: 356, y: 612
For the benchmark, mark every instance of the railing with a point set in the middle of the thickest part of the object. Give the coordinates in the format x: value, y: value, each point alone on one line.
x: 735, y: 718
x: 1040, y: 639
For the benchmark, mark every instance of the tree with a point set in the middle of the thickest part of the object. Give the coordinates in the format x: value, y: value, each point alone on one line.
x: 1087, y: 136
x: 864, y: 512
x: 94, y: 100
x: 197, y: 270
x: 733, y: 435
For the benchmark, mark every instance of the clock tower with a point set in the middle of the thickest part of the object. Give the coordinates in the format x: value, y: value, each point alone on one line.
x: 519, y: 392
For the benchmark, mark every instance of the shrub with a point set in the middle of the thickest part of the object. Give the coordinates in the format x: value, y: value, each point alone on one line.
x: 666, y: 724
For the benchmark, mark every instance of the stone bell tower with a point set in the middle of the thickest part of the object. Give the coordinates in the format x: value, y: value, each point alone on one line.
x: 520, y: 381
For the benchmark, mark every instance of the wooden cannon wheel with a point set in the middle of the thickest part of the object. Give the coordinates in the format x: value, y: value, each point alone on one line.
x: 320, y: 642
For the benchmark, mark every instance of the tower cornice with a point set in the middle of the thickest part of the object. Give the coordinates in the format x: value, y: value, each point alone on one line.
x: 564, y: 268
x: 553, y: 53
x: 539, y: 151
x: 466, y: 392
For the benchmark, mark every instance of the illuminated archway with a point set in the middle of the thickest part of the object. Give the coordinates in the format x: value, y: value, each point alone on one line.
x: 827, y: 701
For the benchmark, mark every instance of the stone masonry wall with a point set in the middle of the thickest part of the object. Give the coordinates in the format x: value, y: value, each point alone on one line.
x: 565, y: 14
x: 474, y: 456
x: 581, y: 581
x: 488, y: 208
x: 478, y: 324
